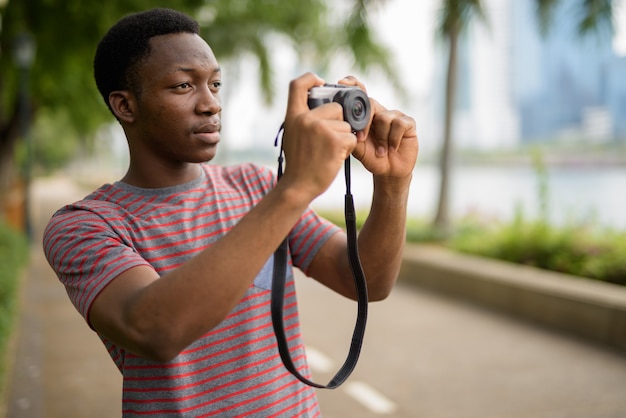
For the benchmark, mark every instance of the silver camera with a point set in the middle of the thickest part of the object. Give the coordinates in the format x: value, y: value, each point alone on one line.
x: 355, y: 103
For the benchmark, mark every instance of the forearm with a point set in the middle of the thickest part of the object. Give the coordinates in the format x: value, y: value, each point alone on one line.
x: 382, y: 238
x: 170, y: 313
x: 231, y: 264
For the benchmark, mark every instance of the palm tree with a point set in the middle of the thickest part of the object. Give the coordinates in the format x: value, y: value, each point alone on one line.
x: 66, y: 33
x: 456, y: 15
x: 245, y: 27
x: 594, y: 14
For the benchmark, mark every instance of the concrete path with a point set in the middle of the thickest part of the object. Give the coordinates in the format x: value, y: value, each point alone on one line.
x: 427, y: 356
x: 61, y: 369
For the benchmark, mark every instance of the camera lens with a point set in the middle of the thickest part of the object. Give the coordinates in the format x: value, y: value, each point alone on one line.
x: 358, y: 109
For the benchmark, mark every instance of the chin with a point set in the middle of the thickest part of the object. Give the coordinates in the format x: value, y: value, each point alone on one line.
x: 205, y: 157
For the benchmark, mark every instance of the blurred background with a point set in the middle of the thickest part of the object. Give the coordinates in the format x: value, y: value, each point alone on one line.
x: 520, y: 107
x: 534, y: 81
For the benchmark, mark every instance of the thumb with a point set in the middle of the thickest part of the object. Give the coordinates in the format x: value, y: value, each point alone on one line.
x: 298, y: 93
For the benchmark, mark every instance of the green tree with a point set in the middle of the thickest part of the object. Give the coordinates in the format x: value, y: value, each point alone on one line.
x: 456, y: 15
x: 593, y: 14
x: 67, y: 32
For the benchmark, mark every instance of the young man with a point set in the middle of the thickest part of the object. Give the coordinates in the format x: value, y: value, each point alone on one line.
x: 171, y: 265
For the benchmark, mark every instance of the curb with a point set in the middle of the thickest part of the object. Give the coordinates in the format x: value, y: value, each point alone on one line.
x: 588, y: 308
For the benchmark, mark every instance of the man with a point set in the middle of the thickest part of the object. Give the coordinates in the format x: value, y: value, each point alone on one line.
x: 171, y: 265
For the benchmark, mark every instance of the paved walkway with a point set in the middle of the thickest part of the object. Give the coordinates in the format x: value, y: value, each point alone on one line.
x: 440, y: 358
x: 61, y: 368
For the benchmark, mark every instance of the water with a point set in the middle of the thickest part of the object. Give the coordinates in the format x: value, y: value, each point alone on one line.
x: 575, y: 194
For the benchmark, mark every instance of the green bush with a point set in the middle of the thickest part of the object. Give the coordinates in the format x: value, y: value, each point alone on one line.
x: 580, y: 250
x: 13, y: 257
x: 575, y: 249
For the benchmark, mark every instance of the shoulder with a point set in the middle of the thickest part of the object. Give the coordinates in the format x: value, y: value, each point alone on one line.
x: 102, y: 202
x: 95, y: 212
x: 242, y: 176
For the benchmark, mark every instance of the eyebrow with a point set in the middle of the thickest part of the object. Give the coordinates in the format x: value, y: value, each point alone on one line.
x: 216, y: 70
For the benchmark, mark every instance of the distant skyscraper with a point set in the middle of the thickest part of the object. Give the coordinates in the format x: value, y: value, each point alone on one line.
x: 616, y: 95
x: 574, y: 73
x: 515, y: 85
x: 486, y: 115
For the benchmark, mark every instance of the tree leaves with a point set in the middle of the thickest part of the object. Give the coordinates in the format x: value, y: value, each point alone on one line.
x: 67, y: 33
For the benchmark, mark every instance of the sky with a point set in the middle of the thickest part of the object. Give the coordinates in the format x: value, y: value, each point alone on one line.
x: 619, y: 43
x: 405, y: 26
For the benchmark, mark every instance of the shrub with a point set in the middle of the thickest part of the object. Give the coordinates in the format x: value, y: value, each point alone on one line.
x: 573, y: 249
x: 13, y: 256
x: 579, y: 250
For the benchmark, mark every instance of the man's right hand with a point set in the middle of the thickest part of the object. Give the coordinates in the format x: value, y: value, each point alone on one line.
x: 316, y: 141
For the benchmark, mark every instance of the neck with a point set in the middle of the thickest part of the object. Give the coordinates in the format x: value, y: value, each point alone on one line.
x: 160, y: 177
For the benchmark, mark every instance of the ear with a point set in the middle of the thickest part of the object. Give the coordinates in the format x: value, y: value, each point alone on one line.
x: 122, y: 103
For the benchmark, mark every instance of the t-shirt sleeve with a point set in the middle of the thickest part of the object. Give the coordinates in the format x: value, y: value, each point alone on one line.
x: 308, y: 235
x: 87, y: 253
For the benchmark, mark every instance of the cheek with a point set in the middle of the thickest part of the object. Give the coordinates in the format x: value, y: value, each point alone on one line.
x: 167, y: 119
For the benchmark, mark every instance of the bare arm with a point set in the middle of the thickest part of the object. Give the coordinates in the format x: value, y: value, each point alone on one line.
x: 158, y: 317
x: 388, y: 149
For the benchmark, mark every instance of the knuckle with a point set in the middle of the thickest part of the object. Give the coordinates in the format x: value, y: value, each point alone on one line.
x: 293, y: 84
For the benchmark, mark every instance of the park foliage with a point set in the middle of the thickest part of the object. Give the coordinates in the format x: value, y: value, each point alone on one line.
x: 13, y: 258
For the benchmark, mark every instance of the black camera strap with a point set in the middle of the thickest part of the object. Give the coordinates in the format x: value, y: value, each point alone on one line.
x: 278, y: 290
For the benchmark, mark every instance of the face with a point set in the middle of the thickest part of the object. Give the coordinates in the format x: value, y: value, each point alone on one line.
x: 176, y: 117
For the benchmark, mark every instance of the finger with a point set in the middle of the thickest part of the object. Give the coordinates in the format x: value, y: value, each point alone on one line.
x: 389, y: 129
x: 381, y: 127
x: 348, y: 139
x: 331, y: 111
x: 350, y: 80
x: 403, y: 126
x: 375, y: 108
x: 298, y: 93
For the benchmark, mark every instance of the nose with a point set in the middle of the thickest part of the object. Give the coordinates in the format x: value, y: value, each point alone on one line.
x: 208, y: 102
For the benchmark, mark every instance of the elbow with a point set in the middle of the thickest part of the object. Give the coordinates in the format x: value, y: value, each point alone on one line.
x: 146, y: 342
x: 381, y: 288
x: 158, y: 347
x: 154, y: 342
x: 380, y: 291
x: 378, y: 295
x: 161, y: 337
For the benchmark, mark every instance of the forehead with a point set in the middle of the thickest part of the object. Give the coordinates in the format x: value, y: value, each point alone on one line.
x: 173, y: 52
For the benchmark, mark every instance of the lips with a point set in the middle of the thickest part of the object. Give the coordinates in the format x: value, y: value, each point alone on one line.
x: 209, y: 128
x: 209, y: 132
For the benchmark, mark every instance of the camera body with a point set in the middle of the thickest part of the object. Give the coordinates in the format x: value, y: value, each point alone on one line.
x: 353, y: 100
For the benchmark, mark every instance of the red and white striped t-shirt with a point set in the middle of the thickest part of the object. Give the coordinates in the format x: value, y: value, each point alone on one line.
x: 235, y: 369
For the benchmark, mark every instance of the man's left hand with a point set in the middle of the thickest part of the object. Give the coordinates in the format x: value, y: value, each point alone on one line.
x: 388, y: 145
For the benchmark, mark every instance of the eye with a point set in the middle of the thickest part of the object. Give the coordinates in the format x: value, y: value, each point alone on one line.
x: 215, y: 86
x: 183, y: 86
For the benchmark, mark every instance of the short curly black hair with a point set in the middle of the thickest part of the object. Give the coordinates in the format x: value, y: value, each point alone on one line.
x: 126, y: 44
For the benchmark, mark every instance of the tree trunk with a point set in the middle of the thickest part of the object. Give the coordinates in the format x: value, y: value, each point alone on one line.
x: 9, y: 136
x: 442, y: 221
x: 12, y: 187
